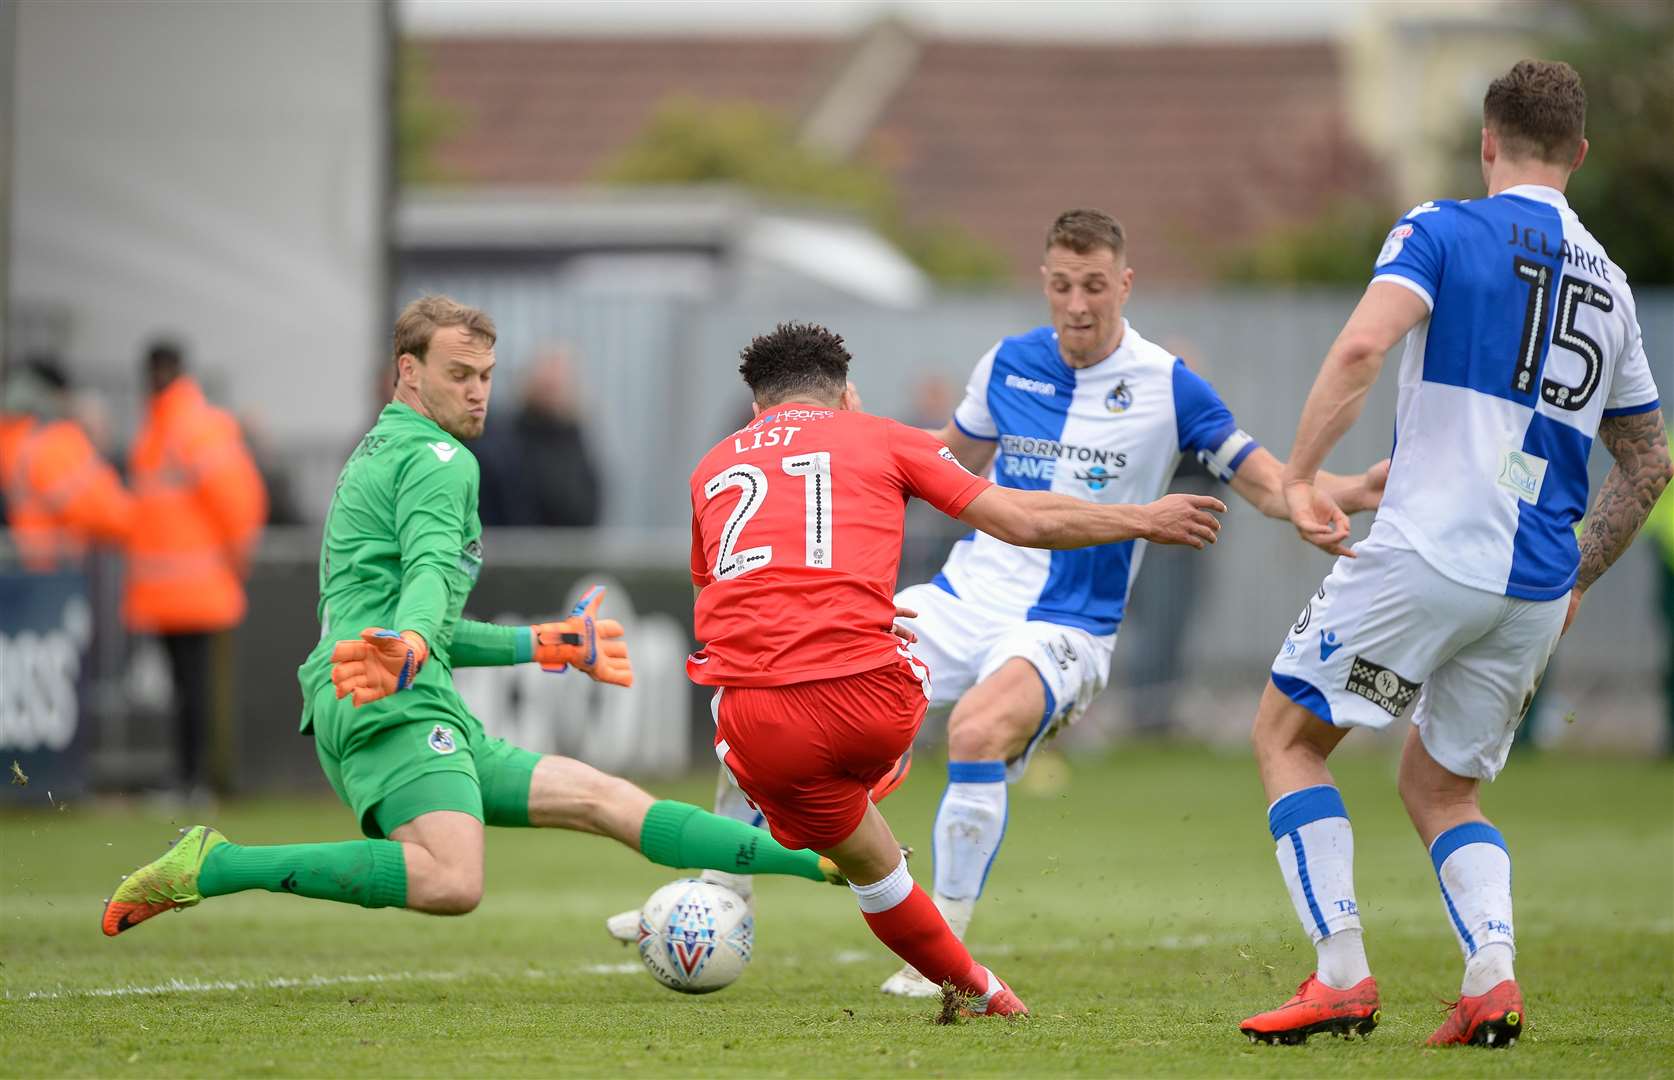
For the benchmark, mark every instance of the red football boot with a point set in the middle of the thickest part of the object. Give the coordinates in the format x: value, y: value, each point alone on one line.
x: 883, y: 787
x: 1315, y: 1008
x: 1000, y: 1000
x: 1493, y: 1019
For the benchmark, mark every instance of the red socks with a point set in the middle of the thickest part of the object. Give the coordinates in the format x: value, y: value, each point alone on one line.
x: 904, y: 918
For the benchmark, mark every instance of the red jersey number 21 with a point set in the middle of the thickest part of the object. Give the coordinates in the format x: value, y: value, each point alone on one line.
x: 751, y: 482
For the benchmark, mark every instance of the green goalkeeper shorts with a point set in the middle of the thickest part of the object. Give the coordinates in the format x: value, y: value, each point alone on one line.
x: 416, y: 751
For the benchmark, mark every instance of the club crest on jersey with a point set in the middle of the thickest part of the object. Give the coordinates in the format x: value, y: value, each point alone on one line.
x: 441, y: 740
x: 1120, y: 398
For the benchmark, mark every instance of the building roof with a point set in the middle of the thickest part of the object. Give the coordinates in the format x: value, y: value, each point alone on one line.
x: 1193, y: 146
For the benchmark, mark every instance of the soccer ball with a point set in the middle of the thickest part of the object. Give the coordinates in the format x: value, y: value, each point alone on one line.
x: 695, y: 936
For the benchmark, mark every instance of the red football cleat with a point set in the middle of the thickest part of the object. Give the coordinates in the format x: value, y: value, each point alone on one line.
x: 883, y: 787
x: 1316, y: 1008
x: 1493, y: 1019
x: 1000, y: 1000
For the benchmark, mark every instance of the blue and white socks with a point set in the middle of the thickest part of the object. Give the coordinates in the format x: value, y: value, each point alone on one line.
x: 970, y: 824
x: 1473, y: 869
x: 1315, y: 848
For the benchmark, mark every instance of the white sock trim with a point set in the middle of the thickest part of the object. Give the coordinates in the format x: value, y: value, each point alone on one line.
x: 882, y: 895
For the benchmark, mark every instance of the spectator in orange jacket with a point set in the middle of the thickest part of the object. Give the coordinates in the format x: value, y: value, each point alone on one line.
x: 61, y: 497
x: 199, y: 508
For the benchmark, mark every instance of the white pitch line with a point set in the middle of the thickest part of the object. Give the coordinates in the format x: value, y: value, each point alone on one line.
x: 198, y: 986
x: 202, y: 986
x: 613, y: 969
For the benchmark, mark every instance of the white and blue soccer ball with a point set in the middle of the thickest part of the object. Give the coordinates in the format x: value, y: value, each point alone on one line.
x: 696, y: 936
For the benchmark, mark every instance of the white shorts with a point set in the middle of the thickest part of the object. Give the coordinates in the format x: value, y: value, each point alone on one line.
x: 962, y: 645
x: 1387, y: 629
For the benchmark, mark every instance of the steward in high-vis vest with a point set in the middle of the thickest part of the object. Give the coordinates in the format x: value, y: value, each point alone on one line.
x: 60, y: 496
x: 199, y: 509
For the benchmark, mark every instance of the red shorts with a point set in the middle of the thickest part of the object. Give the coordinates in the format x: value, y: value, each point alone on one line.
x: 807, y: 755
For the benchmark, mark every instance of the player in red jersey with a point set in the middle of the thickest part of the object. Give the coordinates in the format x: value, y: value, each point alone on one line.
x: 796, y: 533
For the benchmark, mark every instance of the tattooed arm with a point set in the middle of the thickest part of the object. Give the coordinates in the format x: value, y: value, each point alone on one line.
x: 1640, y: 446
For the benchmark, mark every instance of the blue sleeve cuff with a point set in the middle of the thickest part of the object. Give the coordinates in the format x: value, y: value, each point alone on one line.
x: 1634, y: 410
x: 971, y: 434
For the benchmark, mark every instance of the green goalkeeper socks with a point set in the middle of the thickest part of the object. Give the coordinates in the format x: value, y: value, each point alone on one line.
x: 680, y: 835
x: 371, y: 873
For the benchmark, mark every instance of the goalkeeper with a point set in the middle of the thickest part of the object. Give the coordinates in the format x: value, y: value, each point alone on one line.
x: 401, y: 552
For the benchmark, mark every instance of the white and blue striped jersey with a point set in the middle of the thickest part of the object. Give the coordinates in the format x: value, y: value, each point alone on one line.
x: 1110, y: 433
x: 1531, y: 340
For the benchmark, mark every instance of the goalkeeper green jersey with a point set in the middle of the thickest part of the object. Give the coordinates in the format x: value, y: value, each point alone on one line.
x: 402, y: 545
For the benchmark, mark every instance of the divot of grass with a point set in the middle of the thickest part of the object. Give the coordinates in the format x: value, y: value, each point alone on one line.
x: 956, y: 1004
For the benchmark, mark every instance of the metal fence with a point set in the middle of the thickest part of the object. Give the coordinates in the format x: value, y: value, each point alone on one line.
x: 662, y: 387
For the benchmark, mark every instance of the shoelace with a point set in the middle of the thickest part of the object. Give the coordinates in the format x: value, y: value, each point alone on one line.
x: 1301, y: 990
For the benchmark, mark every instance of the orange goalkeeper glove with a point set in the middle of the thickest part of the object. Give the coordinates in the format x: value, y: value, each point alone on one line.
x: 377, y: 665
x: 593, y: 645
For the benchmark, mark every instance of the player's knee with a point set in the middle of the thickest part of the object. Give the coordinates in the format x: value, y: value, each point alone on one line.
x: 577, y: 796
x: 458, y: 893
x: 605, y: 800
x: 1281, y: 726
x: 983, y: 735
x: 444, y: 886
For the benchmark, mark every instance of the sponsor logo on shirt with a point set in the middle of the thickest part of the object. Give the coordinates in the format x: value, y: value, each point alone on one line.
x: 1523, y: 474
x: 781, y: 415
x: 1382, y: 687
x: 1096, y: 477
x: 1120, y: 398
x: 443, y: 451
x: 1023, y: 455
x: 1033, y: 386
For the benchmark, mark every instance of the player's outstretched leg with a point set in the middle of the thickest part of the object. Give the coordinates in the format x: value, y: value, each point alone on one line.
x: 903, y: 918
x: 567, y: 794
x: 729, y: 803
x: 203, y: 863
x: 732, y: 803
x: 990, y: 725
x: 1315, y: 849
x: 1473, y: 869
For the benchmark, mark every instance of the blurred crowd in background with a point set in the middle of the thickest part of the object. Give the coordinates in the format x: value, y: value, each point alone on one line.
x: 194, y: 342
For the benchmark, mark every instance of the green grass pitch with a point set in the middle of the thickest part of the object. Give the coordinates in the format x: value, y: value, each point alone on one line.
x: 1137, y: 909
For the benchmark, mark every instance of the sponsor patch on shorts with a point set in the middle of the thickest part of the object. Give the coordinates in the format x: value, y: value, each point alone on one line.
x: 1382, y: 687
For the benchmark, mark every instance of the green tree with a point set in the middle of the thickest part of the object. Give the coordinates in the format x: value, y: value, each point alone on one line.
x: 422, y: 121
x: 1334, y: 248
x: 1625, y: 54
x: 688, y: 141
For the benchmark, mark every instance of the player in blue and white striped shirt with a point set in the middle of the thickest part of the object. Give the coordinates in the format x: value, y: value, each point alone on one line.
x: 1521, y: 346
x: 1019, y: 641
